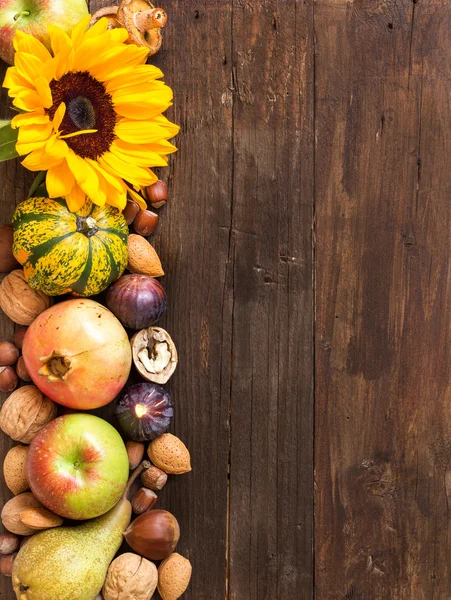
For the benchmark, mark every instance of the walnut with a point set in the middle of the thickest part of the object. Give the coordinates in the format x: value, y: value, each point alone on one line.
x: 26, y: 412
x: 130, y: 576
x: 154, y: 354
x: 19, y: 302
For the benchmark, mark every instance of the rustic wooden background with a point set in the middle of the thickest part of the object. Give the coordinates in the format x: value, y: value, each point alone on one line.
x: 307, y: 248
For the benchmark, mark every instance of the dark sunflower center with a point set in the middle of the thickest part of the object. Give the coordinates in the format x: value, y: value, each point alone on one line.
x: 88, y: 106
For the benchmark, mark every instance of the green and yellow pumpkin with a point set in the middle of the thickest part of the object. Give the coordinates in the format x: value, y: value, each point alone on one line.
x: 64, y: 252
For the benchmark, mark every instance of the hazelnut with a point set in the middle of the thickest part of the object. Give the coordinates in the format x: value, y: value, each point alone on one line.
x: 7, y: 260
x: 26, y: 412
x: 130, y: 576
x: 8, y: 379
x: 15, y: 469
x: 19, y: 335
x: 145, y: 222
x: 157, y: 194
x: 174, y: 575
x: 170, y: 454
x: 9, y: 543
x: 154, y: 478
x: 143, y: 500
x: 22, y: 371
x: 19, y: 302
x: 154, y: 354
x: 8, y: 354
x: 135, y: 451
x: 130, y: 211
x: 142, y: 257
x: 7, y: 563
x: 10, y: 514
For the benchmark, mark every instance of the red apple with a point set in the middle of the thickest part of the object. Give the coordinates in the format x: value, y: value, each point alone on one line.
x: 78, y: 354
x: 33, y: 16
x: 77, y: 466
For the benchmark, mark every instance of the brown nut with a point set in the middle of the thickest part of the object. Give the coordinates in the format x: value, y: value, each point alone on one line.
x: 7, y: 260
x: 154, y: 354
x: 9, y: 543
x: 135, y: 451
x: 142, y: 257
x: 39, y: 518
x: 11, y: 513
x: 8, y: 354
x: 174, y: 575
x: 143, y: 500
x: 7, y: 564
x: 143, y: 23
x: 22, y: 371
x: 154, y: 534
x: 157, y: 194
x: 8, y: 379
x: 19, y: 335
x: 145, y: 222
x: 25, y: 413
x: 130, y: 211
x: 154, y: 478
x: 19, y: 302
x: 130, y: 576
x: 169, y: 454
x: 15, y: 469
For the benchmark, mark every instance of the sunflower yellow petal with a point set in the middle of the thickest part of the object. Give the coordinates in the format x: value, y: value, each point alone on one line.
x: 112, y: 180
x: 139, y: 132
x: 59, y: 116
x: 78, y: 32
x: 59, y: 181
x: 138, y: 110
x: 140, y: 75
x: 34, y: 118
x: 59, y: 40
x: 128, y: 171
x: 129, y: 56
x: 44, y: 92
x: 24, y: 42
x: 112, y: 186
x: 28, y: 66
x: 141, y: 159
x: 15, y: 81
x: 57, y: 149
x: 137, y: 197
x: 99, y: 49
x: 39, y: 160
x: 28, y: 100
x: 84, y: 174
x: 101, y: 26
x: 27, y: 147
x: 34, y: 133
x: 75, y: 199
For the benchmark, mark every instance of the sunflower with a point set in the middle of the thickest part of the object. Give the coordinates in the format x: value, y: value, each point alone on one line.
x: 91, y: 114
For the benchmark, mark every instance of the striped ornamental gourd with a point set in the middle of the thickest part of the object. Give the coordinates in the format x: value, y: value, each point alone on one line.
x: 64, y: 252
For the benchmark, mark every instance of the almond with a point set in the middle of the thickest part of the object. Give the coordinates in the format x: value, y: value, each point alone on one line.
x: 174, y: 575
x: 13, y: 508
x: 15, y: 469
x: 170, y: 454
x: 142, y: 257
x: 40, y: 518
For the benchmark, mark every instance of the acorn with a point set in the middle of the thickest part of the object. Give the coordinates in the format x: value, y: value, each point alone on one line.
x: 154, y: 534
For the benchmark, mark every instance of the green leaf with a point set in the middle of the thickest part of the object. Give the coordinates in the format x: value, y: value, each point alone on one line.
x: 38, y: 188
x: 8, y: 141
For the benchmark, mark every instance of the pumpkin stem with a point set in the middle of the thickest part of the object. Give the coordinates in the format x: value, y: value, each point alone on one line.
x: 87, y: 226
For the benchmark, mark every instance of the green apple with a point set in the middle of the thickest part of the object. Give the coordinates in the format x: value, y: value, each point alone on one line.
x: 77, y: 466
x: 33, y: 16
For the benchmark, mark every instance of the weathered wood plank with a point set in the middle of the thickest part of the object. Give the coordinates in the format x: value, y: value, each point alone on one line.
x: 383, y: 300
x: 271, y: 478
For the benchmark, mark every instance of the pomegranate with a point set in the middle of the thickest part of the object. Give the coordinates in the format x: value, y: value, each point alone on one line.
x: 78, y: 354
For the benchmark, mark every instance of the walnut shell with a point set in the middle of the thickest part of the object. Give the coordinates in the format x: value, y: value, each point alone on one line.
x: 15, y: 469
x: 174, y: 575
x: 26, y: 412
x: 142, y: 257
x: 19, y: 302
x: 130, y: 576
x: 154, y: 354
x: 169, y: 454
x: 11, y: 513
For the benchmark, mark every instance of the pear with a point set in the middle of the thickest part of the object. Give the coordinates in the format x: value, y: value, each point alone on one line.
x: 71, y: 563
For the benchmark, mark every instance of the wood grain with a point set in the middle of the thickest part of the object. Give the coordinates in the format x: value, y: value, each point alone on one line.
x: 383, y: 300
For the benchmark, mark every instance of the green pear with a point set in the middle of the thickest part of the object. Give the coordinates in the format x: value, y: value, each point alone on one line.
x: 71, y: 563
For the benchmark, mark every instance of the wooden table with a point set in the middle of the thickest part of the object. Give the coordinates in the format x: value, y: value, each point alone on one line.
x: 307, y: 248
